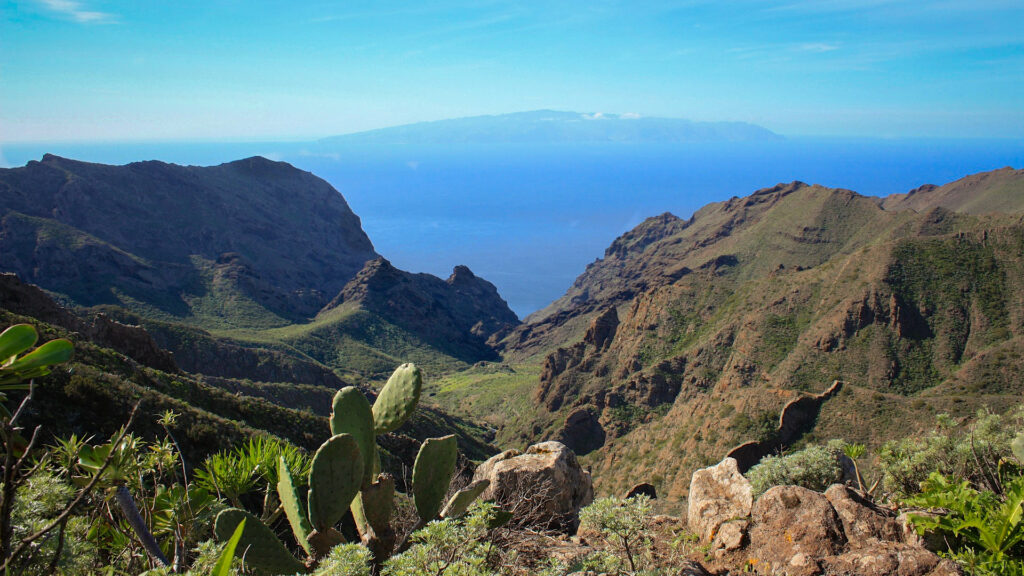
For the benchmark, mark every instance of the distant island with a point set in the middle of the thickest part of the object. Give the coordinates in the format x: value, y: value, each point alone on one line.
x: 552, y: 126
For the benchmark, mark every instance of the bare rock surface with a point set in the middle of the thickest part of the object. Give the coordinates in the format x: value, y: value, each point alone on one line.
x: 717, y: 494
x: 790, y: 523
x: 545, y: 485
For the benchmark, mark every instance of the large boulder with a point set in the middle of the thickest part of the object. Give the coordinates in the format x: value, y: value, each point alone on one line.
x: 543, y: 487
x: 718, y: 494
x: 792, y: 528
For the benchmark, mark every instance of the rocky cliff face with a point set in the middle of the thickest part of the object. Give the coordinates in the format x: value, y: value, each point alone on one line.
x: 756, y: 302
x: 172, y: 236
x: 456, y: 315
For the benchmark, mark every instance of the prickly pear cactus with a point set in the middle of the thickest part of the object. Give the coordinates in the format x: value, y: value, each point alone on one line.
x: 262, y: 551
x: 351, y: 414
x: 334, y: 479
x: 432, y: 474
x: 397, y: 399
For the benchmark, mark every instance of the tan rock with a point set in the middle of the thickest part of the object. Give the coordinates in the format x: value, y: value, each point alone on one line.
x: 543, y: 487
x: 790, y: 520
x: 863, y: 520
x: 718, y: 494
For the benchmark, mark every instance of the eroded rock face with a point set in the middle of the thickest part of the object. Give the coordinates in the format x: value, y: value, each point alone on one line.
x: 545, y: 486
x: 717, y: 494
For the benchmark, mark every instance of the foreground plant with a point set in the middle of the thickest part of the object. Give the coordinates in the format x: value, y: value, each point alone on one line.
x: 623, y: 525
x: 986, y: 530
x: 345, y: 477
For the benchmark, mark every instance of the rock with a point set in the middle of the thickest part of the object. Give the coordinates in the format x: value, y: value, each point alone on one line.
x: 717, y: 494
x: 929, y: 541
x: 602, y: 329
x: 890, y: 559
x: 789, y: 521
x: 543, y: 487
x: 864, y: 522
x: 731, y: 536
x: 582, y: 432
x: 643, y: 488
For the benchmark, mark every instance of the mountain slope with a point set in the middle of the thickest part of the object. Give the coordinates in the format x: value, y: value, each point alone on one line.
x: 552, y: 126
x: 688, y: 337
x: 249, y: 259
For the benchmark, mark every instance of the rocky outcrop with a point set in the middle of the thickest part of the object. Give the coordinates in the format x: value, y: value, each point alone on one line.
x: 545, y: 486
x: 718, y: 494
x: 797, y: 417
x: 455, y: 315
x: 800, y: 532
x: 582, y: 432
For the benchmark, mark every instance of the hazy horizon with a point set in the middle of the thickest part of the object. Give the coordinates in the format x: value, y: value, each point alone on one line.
x: 112, y: 70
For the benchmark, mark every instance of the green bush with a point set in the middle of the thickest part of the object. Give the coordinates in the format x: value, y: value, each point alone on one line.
x: 624, y: 527
x: 451, y: 547
x: 985, y: 530
x: 815, y: 467
x: 969, y: 453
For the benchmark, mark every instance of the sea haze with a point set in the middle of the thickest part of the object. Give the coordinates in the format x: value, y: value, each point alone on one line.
x: 531, y: 217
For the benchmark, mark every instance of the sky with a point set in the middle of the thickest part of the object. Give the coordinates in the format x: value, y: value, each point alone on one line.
x: 151, y: 70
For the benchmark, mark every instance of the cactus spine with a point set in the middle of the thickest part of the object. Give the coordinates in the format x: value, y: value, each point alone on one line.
x: 344, y: 476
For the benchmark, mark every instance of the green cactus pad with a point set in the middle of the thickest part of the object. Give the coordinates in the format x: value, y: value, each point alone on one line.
x: 16, y: 339
x: 334, y: 480
x: 460, y: 502
x: 351, y: 414
x: 432, y: 473
x: 259, y: 547
x: 292, y: 505
x: 397, y: 399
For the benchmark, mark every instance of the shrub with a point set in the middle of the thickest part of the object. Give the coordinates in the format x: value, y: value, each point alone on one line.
x: 815, y: 467
x: 970, y: 453
x: 623, y: 525
x: 450, y: 547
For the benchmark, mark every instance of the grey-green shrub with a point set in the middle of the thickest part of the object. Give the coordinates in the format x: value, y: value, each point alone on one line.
x: 967, y: 452
x: 815, y: 467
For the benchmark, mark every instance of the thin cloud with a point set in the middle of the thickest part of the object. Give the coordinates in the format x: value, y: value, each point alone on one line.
x: 77, y: 12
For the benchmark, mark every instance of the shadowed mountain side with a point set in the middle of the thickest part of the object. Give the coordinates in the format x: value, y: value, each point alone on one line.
x: 169, y: 237
x: 455, y: 316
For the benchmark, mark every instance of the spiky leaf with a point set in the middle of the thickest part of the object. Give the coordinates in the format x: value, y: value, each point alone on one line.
x: 258, y: 547
x: 334, y: 479
x: 398, y: 399
x: 293, y: 508
x: 223, y: 565
x: 432, y: 473
x: 351, y: 414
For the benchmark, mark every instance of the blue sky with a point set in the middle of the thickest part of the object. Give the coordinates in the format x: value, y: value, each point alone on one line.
x: 252, y: 70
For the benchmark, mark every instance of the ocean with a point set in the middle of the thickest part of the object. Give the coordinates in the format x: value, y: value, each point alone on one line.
x: 529, y: 218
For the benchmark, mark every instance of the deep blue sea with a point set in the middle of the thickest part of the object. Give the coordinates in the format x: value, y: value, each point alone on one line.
x: 529, y: 218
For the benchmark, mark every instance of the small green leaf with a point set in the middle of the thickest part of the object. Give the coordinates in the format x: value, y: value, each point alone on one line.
x: 52, y: 352
x: 223, y: 565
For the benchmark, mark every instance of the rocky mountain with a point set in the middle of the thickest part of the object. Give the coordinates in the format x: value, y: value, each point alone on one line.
x: 553, y: 126
x: 181, y: 239
x: 268, y: 257
x: 690, y: 336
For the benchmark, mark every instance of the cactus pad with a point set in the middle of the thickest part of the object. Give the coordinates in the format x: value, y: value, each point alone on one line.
x: 292, y: 505
x: 334, y: 480
x: 432, y: 473
x: 351, y: 414
x: 260, y: 548
x: 397, y: 399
